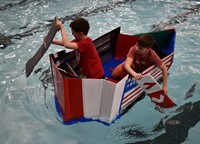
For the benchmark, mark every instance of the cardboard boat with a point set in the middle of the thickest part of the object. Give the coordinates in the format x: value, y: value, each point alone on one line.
x: 104, y: 100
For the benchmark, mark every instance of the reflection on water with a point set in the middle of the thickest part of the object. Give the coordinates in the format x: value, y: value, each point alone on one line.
x: 27, y: 108
x: 175, y: 129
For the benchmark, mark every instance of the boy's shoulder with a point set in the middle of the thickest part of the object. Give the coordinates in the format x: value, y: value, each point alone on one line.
x: 152, y: 51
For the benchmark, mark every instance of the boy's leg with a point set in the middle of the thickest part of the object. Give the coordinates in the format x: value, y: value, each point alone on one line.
x: 119, y: 72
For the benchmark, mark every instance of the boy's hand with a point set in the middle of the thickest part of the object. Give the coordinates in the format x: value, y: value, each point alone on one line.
x: 164, y: 88
x: 45, y: 38
x: 59, y: 23
x: 137, y: 76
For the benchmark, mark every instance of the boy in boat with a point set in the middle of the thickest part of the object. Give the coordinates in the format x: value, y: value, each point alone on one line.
x: 89, y: 60
x: 139, y: 58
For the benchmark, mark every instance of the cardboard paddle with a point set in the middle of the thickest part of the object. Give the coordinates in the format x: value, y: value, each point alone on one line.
x: 43, y: 48
x: 154, y: 91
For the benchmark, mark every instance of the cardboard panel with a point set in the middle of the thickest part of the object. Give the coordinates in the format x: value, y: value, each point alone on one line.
x: 92, y: 91
x: 58, y: 85
x: 118, y: 95
x: 131, y: 92
x: 73, y: 98
x: 107, y: 100
x: 124, y: 43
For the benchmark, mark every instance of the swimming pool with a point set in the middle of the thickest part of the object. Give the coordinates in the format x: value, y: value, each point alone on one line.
x: 27, y: 109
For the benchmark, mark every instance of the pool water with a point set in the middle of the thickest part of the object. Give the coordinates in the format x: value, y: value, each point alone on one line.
x: 27, y: 108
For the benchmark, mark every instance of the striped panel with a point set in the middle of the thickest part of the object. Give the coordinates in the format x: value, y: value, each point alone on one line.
x: 58, y: 86
x: 92, y: 91
x: 117, y: 98
x: 73, y: 99
x: 153, y: 67
x: 107, y: 100
x: 129, y: 98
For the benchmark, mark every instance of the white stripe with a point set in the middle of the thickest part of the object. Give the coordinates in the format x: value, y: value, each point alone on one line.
x: 131, y: 92
x: 92, y: 90
x: 164, y: 60
x: 133, y: 98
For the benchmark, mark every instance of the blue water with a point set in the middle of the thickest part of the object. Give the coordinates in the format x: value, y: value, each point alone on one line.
x: 27, y: 109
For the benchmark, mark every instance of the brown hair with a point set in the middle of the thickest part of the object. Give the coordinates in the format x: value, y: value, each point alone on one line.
x: 146, y: 41
x: 80, y: 25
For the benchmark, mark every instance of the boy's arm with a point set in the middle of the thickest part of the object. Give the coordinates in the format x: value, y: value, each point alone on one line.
x: 164, y: 77
x: 65, y: 40
x: 128, y: 68
x: 57, y: 42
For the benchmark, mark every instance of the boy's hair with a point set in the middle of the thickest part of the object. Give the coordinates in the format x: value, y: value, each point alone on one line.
x: 146, y: 41
x: 80, y: 25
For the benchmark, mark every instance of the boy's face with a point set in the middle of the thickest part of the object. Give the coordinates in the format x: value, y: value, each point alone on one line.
x: 76, y: 35
x: 142, y: 50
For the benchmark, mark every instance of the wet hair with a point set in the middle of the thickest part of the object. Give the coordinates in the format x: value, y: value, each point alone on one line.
x: 146, y: 41
x: 80, y: 25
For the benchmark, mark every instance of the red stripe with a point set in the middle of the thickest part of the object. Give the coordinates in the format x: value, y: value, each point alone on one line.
x: 164, y: 60
x: 155, y: 69
x: 127, y: 97
x: 134, y: 89
x: 158, y: 74
x: 132, y: 98
x: 73, y: 98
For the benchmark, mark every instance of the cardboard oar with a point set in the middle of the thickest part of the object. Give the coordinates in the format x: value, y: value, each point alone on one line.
x: 43, y: 48
x: 154, y: 91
